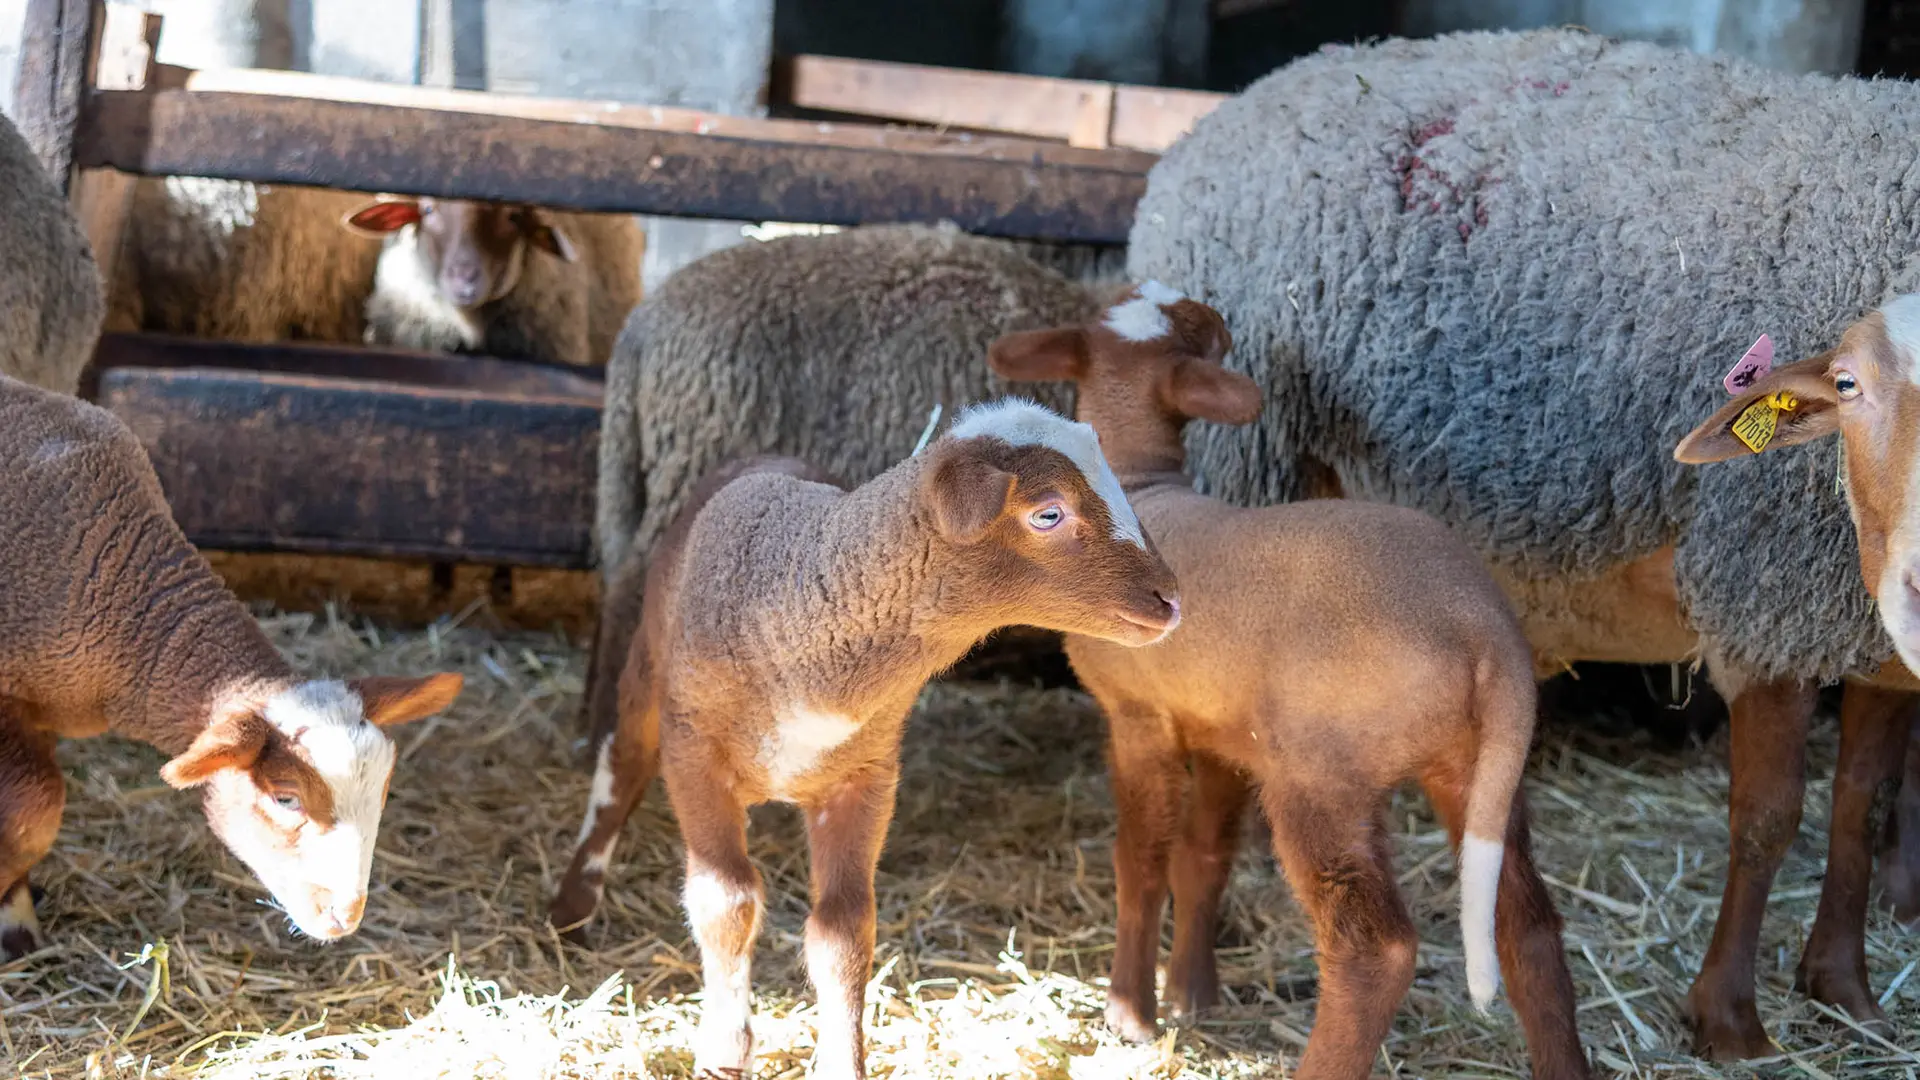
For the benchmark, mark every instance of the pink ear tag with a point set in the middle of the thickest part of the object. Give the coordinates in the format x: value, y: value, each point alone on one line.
x: 1752, y: 367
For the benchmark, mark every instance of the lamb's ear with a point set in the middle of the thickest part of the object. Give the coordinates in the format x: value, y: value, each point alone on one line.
x: 383, y: 216
x: 1814, y: 414
x: 388, y: 699
x: 232, y: 742
x: 1040, y: 355
x: 542, y: 233
x: 1207, y: 391
x: 967, y: 495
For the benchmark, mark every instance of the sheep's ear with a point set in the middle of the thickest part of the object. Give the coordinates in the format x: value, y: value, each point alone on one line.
x: 1206, y: 391
x: 389, y: 700
x: 232, y: 742
x: 543, y: 234
x: 1753, y: 421
x: 1040, y: 355
x: 967, y: 496
x: 383, y: 216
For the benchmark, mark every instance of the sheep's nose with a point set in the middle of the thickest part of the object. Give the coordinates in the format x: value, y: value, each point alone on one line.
x: 1173, y: 608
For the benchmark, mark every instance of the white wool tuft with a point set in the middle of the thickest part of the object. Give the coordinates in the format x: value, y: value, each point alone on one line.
x: 1138, y: 319
x: 1480, y: 861
x: 1902, y: 316
x: 1019, y: 422
x: 1160, y: 294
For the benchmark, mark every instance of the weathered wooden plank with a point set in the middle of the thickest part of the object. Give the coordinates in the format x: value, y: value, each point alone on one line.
x: 462, y: 459
x: 752, y: 173
x: 1085, y: 113
x: 55, y: 52
x: 102, y: 198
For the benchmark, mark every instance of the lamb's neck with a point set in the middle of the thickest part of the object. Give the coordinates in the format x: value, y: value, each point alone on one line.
x: 194, y: 653
x: 871, y: 607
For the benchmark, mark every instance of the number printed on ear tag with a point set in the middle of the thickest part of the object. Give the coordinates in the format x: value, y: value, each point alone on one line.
x: 1756, y: 425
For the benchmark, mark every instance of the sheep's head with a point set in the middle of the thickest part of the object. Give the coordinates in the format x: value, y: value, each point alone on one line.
x: 1867, y: 389
x: 1042, y: 533
x: 477, y: 249
x: 1151, y: 363
x: 295, y: 779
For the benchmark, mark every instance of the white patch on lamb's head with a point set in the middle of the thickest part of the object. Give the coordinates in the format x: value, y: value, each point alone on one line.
x: 316, y: 869
x: 1143, y: 317
x: 1019, y: 422
x: 1902, y: 318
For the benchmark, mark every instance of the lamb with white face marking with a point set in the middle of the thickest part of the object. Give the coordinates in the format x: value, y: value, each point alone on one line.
x: 786, y: 628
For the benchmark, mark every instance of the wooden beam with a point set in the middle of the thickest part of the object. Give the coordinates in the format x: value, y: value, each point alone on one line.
x: 102, y: 198
x: 361, y: 451
x: 1084, y: 113
x: 624, y: 158
x: 56, y: 47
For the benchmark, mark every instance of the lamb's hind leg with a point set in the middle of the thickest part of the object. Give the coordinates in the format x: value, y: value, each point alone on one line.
x: 1333, y: 845
x: 1873, y: 748
x: 1900, y: 852
x: 1768, y: 755
x: 32, y: 796
x: 723, y: 898
x: 1202, y: 862
x: 629, y: 758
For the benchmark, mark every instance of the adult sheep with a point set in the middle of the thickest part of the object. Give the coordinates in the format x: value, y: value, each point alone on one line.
x: 1498, y: 277
x: 830, y: 348
x: 51, y: 301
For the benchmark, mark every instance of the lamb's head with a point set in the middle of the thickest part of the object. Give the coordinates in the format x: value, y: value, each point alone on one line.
x: 295, y: 777
x: 1040, y: 532
x: 1151, y: 363
x: 1867, y: 389
x: 477, y: 250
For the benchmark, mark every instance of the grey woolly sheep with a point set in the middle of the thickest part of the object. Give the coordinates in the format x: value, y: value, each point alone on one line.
x: 1497, y: 277
x: 502, y: 279
x: 830, y: 348
x: 241, y: 262
x: 51, y: 300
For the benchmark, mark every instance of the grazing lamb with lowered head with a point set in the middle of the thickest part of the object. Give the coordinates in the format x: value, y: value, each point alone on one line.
x: 51, y: 302
x: 1330, y: 652
x: 1452, y: 305
x: 829, y: 348
x: 111, y: 622
x: 786, y: 630
x: 502, y: 279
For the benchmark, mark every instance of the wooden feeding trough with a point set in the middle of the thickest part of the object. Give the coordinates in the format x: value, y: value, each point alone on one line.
x: 340, y: 450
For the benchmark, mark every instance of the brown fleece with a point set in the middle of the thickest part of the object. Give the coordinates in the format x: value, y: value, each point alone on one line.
x: 51, y: 301
x: 1330, y: 651
x: 239, y: 261
x: 778, y: 605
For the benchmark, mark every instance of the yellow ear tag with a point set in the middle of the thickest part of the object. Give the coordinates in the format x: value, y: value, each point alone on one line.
x: 1756, y: 425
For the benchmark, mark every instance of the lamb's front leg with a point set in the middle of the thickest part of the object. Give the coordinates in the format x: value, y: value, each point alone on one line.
x: 32, y: 795
x: 723, y: 898
x: 845, y: 831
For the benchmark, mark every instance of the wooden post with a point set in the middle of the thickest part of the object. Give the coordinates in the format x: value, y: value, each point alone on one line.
x: 57, y: 43
x: 102, y: 197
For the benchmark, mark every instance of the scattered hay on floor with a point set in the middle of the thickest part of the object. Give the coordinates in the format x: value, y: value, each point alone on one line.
x: 996, y: 909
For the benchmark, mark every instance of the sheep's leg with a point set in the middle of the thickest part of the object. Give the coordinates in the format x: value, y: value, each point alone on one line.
x: 1873, y: 747
x: 1145, y: 767
x: 1333, y: 846
x: 723, y: 899
x: 1900, y: 853
x: 32, y: 796
x: 1527, y: 929
x: 1217, y: 802
x: 628, y: 761
x: 845, y: 833
x: 1768, y: 766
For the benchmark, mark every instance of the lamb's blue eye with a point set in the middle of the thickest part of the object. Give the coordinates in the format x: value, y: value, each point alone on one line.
x: 288, y: 802
x: 1046, y: 517
x: 1845, y: 385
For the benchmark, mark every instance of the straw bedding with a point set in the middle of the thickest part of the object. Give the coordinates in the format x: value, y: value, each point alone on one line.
x: 995, y: 912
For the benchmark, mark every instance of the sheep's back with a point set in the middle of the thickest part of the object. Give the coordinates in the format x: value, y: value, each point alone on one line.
x: 1497, y: 277
x: 833, y: 349
x: 51, y: 300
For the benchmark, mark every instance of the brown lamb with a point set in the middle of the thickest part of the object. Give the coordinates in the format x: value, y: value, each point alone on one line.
x: 110, y: 621
x: 1331, y: 651
x: 786, y: 630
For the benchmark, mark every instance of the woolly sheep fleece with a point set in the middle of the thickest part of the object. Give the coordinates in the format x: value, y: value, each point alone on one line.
x: 51, y: 299
x: 833, y: 349
x: 1498, y: 276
